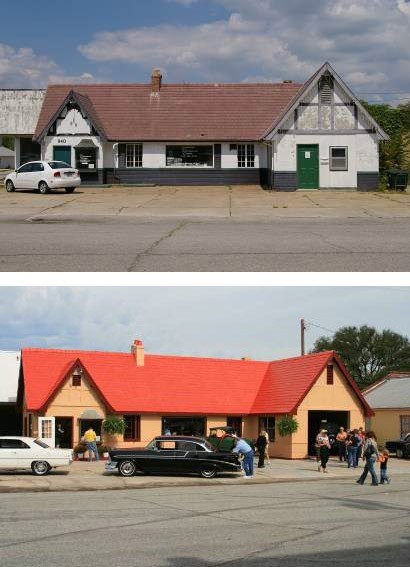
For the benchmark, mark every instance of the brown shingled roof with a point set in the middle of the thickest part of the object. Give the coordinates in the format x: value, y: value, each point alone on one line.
x: 181, y: 112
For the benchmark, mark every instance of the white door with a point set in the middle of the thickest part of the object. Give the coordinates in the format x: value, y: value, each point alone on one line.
x: 37, y: 172
x: 14, y: 453
x: 23, y: 177
x: 46, y: 430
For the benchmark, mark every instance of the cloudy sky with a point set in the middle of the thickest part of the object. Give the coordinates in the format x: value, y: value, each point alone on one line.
x: 207, y: 40
x: 262, y: 322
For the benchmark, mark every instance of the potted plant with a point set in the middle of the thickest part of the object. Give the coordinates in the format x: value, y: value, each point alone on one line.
x: 79, y: 451
x: 287, y: 425
x: 103, y: 450
x: 113, y: 426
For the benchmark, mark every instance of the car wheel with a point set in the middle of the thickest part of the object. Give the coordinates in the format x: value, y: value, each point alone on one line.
x: 10, y: 187
x: 69, y: 189
x: 40, y: 468
x: 399, y: 453
x: 208, y: 473
x: 127, y: 468
x: 43, y: 188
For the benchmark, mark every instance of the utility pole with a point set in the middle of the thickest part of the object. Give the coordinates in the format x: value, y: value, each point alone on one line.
x: 302, y: 336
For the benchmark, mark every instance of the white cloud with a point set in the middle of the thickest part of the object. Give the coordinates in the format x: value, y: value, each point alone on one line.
x: 366, y: 41
x: 23, y: 68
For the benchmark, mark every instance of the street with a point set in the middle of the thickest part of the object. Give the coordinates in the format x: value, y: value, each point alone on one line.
x: 292, y: 524
x: 155, y: 245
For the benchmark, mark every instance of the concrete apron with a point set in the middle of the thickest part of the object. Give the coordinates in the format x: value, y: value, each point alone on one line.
x: 82, y: 476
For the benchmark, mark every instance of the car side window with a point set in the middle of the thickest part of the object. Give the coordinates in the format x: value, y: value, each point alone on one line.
x: 24, y: 168
x: 37, y: 167
x: 13, y: 444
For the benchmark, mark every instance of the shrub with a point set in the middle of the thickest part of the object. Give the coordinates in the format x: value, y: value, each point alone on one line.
x: 114, y: 425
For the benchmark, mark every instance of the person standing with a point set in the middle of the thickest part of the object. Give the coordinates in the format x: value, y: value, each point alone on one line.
x: 59, y: 435
x: 341, y: 443
x: 91, y: 441
x: 242, y: 447
x: 261, y: 444
x: 384, y: 458
x: 323, y: 443
x: 370, y: 455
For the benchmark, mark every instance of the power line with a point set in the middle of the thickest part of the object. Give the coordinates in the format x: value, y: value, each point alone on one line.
x: 309, y: 323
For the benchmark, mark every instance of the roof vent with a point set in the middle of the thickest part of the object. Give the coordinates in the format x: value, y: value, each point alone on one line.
x: 287, y: 81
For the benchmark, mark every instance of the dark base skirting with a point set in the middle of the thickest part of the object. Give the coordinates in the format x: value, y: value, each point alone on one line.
x: 165, y: 176
x: 92, y: 176
x: 368, y: 181
x: 285, y: 180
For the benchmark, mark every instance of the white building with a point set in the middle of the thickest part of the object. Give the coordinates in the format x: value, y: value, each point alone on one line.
x: 285, y: 136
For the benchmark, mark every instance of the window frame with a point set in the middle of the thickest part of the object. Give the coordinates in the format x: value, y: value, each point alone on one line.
x: 135, y: 429
x: 187, y: 166
x: 76, y: 378
x: 331, y: 166
x: 137, y: 156
x: 270, y: 430
x: 246, y: 156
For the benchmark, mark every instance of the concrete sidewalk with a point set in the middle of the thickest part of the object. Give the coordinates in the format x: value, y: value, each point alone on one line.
x: 92, y: 476
x: 211, y: 202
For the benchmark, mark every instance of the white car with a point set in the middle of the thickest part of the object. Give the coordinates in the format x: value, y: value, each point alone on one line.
x: 30, y: 453
x: 44, y: 176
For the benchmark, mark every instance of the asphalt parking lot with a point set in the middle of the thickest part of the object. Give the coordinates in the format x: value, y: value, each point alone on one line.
x: 215, y: 229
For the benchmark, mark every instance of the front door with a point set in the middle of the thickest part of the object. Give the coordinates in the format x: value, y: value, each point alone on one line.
x: 46, y: 430
x: 308, y: 166
x: 62, y: 153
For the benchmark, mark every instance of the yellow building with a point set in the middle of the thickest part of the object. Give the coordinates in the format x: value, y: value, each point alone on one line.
x: 155, y: 394
x: 390, y: 400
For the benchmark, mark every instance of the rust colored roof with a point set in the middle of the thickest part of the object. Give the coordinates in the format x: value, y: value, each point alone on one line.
x: 178, y: 384
x: 181, y: 112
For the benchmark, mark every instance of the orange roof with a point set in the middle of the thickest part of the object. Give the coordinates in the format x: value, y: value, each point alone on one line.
x: 178, y: 384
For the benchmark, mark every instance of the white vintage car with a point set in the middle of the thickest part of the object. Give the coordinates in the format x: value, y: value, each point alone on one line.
x: 30, y: 453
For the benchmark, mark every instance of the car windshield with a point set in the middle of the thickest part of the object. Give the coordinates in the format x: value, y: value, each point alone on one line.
x: 59, y: 165
x: 41, y: 443
x: 208, y: 446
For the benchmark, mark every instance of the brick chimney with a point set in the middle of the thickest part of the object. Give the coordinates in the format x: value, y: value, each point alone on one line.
x: 156, y: 81
x: 137, y: 350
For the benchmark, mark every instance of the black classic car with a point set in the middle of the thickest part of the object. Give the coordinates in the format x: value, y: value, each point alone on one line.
x: 401, y: 447
x: 174, y: 455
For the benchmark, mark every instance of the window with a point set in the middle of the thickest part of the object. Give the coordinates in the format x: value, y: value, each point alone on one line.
x: 37, y: 166
x: 268, y: 424
x: 24, y: 168
x: 13, y: 444
x: 329, y: 375
x: 246, y: 155
x: 58, y: 164
x: 190, y: 156
x: 132, y: 428
x: 133, y: 155
x: 41, y: 443
x: 236, y: 423
x: 76, y: 380
x: 404, y: 425
x: 85, y: 158
x: 183, y: 426
x: 338, y: 159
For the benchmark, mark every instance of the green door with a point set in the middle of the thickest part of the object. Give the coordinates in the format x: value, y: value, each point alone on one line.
x: 308, y: 166
x: 62, y: 153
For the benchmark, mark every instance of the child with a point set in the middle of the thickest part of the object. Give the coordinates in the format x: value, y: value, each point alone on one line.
x: 384, y: 457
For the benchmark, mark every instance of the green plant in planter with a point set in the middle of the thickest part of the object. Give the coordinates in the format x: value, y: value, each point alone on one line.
x: 287, y: 425
x: 114, y: 425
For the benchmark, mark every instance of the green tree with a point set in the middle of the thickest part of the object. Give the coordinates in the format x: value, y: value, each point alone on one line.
x: 8, y: 142
x: 368, y: 354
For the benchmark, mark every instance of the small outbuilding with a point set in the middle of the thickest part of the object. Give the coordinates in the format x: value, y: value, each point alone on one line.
x: 155, y: 394
x: 10, y: 419
x: 7, y: 158
x: 390, y: 401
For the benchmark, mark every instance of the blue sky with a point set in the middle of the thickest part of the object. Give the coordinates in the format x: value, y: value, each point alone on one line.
x: 207, y: 40
x: 230, y: 322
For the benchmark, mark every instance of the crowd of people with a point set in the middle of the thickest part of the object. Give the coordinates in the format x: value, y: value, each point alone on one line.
x: 353, y: 445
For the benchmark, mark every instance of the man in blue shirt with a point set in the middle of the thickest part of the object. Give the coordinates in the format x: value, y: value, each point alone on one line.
x: 246, y: 450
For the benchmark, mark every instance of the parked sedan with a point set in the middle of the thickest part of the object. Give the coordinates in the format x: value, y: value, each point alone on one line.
x: 44, y: 176
x: 401, y: 447
x: 29, y: 453
x: 175, y: 455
